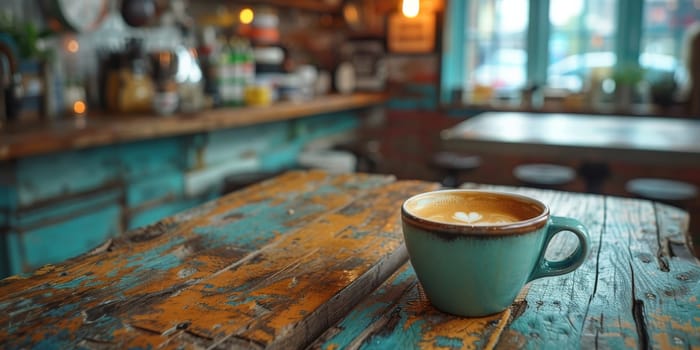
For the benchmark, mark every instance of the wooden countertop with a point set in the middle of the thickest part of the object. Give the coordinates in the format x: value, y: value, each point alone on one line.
x: 21, y: 141
x: 316, y: 259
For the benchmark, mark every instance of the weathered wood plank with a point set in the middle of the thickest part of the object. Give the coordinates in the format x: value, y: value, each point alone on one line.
x: 610, y: 320
x: 74, y: 301
x: 369, y: 315
x: 665, y: 288
x: 674, y: 238
x: 280, y: 263
x: 290, y: 291
x: 397, y: 315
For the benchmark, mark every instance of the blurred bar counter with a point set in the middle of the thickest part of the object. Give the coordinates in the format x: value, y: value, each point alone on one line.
x: 81, y: 132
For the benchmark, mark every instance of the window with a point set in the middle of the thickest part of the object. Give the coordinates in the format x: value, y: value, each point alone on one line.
x: 664, y: 27
x: 507, y: 45
x: 581, y: 41
x: 495, y: 44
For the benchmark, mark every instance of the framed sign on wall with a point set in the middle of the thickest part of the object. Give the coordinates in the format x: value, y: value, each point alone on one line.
x: 411, y: 35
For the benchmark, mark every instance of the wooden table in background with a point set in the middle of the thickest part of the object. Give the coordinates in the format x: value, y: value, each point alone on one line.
x: 313, y: 259
x: 599, y: 138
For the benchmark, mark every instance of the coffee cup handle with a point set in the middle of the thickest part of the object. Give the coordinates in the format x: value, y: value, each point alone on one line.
x: 547, y: 267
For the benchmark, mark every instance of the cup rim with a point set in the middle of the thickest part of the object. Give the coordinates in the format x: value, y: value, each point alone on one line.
x: 514, y: 228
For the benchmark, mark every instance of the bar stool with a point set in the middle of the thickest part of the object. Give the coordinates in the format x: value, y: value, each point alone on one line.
x: 452, y: 165
x: 663, y: 190
x: 594, y: 174
x: 543, y: 175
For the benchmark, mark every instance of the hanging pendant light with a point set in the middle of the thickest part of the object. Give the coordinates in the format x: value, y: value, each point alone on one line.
x: 410, y: 8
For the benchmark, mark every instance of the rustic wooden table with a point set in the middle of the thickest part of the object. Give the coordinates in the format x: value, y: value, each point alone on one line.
x: 644, y: 140
x: 312, y: 259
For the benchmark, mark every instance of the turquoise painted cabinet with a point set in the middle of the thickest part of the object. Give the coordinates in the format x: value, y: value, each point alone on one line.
x: 57, y: 206
x: 41, y: 236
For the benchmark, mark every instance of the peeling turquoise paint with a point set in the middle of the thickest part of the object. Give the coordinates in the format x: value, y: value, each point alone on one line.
x: 153, y: 261
x: 360, y: 318
x: 62, y: 239
x: 353, y: 325
x: 60, y: 340
x: 251, y: 230
x: 408, y: 337
x: 103, y: 330
x: 327, y: 189
x: 74, y: 283
x: 153, y: 258
x: 150, y: 158
x: 402, y: 277
x: 281, y: 157
x: 67, y: 208
x: 19, y: 307
x: 155, y: 188
x: 543, y: 334
x: 53, y: 175
x: 449, y: 342
x: 8, y: 197
x: 62, y: 311
x: 4, y: 305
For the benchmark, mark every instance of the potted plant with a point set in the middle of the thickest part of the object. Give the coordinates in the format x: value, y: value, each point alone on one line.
x: 626, y: 78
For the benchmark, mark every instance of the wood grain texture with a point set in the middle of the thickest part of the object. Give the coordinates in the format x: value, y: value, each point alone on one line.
x: 398, y: 315
x: 105, y: 130
x: 630, y: 293
x: 312, y: 259
x: 273, y: 264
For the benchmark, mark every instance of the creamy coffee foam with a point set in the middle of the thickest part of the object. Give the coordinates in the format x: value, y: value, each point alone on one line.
x: 472, y: 208
x: 473, y: 218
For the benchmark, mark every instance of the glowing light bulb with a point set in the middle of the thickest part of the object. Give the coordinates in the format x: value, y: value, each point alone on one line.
x: 246, y: 16
x: 410, y: 8
x: 79, y: 107
x: 72, y: 46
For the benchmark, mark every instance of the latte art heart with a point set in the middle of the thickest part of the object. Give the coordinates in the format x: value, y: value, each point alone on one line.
x: 470, y: 218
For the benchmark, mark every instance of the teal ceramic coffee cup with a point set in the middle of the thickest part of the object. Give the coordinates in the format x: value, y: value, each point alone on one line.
x: 473, y: 251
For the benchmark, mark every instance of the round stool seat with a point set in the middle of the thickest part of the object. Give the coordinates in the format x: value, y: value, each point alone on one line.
x: 544, y: 174
x: 661, y: 189
x: 452, y: 165
x: 455, y: 161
